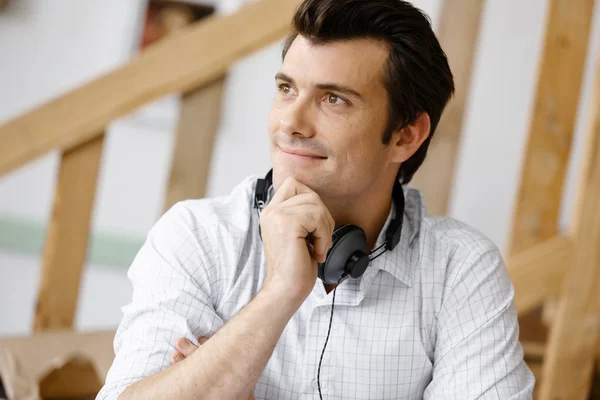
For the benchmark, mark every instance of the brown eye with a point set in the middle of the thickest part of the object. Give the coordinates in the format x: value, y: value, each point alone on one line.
x: 286, y: 89
x: 333, y: 99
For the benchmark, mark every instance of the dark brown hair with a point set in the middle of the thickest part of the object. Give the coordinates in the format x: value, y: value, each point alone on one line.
x: 417, y: 78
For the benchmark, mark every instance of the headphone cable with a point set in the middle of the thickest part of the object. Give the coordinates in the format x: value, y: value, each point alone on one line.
x: 371, y: 257
x: 331, y: 316
x: 327, y: 338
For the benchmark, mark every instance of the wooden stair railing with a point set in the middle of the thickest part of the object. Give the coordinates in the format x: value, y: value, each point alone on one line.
x: 67, y: 238
x: 187, y: 61
x: 458, y: 32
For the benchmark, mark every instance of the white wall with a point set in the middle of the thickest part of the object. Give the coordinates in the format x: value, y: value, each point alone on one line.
x: 87, y: 38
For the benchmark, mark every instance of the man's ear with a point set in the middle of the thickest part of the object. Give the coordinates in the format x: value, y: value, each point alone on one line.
x: 407, y: 140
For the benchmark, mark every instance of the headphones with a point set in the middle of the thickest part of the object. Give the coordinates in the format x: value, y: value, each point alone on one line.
x: 348, y: 254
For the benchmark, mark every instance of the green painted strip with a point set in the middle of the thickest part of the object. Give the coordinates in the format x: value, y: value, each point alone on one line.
x: 106, y: 249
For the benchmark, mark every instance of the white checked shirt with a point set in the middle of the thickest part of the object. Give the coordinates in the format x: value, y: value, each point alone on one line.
x: 432, y: 319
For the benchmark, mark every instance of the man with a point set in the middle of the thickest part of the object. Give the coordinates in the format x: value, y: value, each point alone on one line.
x: 359, y: 95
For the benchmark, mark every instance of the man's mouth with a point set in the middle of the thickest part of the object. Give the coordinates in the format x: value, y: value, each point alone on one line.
x: 301, y: 152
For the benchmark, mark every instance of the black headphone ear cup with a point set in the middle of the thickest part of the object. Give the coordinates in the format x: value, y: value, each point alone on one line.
x: 349, y: 246
x: 341, y: 232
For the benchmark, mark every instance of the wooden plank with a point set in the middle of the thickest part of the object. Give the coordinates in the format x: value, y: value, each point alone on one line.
x: 573, y: 339
x: 40, y: 351
x: 539, y: 272
x: 458, y: 32
x: 533, y: 350
x: 75, y: 377
x: 188, y: 59
x: 536, y: 369
x: 551, y: 130
x: 199, y: 119
x: 67, y: 238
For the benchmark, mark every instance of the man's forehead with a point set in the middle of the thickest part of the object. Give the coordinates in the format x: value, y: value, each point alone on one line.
x: 359, y: 62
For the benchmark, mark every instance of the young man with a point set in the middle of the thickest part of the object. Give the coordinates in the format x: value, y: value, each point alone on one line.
x: 360, y: 92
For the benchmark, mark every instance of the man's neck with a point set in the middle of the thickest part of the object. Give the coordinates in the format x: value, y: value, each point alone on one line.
x: 368, y: 212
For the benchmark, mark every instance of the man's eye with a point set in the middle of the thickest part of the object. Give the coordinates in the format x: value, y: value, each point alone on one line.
x: 336, y: 100
x: 285, y: 88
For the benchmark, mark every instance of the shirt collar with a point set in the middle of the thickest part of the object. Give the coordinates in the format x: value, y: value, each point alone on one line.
x: 401, y: 260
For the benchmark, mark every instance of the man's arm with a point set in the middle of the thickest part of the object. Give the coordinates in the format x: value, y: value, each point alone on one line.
x: 173, y: 278
x: 237, y: 355
x: 478, y: 354
x: 230, y: 365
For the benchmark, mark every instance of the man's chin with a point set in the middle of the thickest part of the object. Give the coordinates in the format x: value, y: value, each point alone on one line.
x: 302, y: 175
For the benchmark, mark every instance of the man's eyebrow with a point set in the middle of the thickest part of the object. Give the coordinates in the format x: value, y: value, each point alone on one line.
x: 323, y: 86
x: 339, y: 88
x: 283, y: 77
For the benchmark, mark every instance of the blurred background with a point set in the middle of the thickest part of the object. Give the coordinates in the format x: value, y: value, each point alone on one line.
x: 50, y: 47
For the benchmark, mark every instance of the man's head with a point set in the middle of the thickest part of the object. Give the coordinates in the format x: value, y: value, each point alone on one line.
x: 362, y: 87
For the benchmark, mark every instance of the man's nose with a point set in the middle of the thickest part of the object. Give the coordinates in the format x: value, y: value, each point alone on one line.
x: 296, y: 121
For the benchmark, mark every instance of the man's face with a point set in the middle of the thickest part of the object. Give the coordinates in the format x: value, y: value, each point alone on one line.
x: 328, y: 117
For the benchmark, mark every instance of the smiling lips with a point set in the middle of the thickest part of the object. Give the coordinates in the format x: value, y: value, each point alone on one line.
x: 301, y: 153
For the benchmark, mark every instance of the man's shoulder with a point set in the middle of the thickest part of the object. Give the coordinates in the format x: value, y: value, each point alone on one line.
x: 456, y: 250
x: 446, y: 234
x: 233, y: 207
x: 200, y: 218
x: 457, y: 234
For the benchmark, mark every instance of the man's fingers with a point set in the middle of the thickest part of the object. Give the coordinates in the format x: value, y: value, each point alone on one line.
x: 176, y: 357
x: 312, y: 199
x: 289, y: 188
x: 313, y: 221
x: 312, y: 218
x: 185, y: 347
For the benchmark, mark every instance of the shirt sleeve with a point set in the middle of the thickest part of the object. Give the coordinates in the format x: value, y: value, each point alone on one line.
x: 173, y: 277
x: 478, y: 354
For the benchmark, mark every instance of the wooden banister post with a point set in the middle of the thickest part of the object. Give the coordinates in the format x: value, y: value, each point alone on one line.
x: 538, y: 272
x: 199, y: 119
x: 551, y: 131
x: 67, y: 237
x: 458, y: 32
x: 539, y: 197
x: 572, y: 345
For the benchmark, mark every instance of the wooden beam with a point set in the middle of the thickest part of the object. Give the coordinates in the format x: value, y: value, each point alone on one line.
x: 573, y: 339
x: 199, y: 119
x: 538, y: 273
x: 67, y: 238
x: 534, y: 350
x: 38, y: 352
x: 536, y: 369
x: 75, y: 377
x: 551, y: 130
x: 185, y: 60
x: 458, y: 32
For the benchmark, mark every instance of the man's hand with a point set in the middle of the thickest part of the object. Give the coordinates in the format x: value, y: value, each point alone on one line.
x: 293, y: 213
x: 185, y: 348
